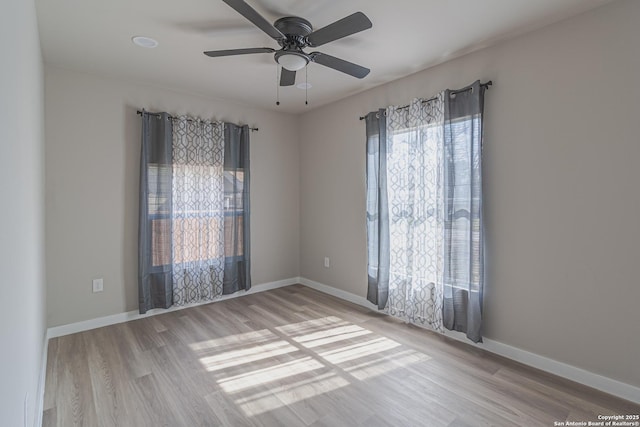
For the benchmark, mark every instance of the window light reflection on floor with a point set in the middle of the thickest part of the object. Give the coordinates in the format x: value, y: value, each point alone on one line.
x: 383, y: 365
x: 298, y: 361
x: 244, y: 339
x: 310, y: 326
x: 290, y: 394
x: 268, y: 375
x: 359, y: 350
x: 247, y: 355
x: 329, y: 336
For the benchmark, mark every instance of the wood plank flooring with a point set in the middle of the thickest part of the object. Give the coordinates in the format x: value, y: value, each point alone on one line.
x: 297, y: 357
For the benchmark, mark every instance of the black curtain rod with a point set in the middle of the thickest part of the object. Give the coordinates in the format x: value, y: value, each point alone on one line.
x: 189, y: 120
x: 485, y: 85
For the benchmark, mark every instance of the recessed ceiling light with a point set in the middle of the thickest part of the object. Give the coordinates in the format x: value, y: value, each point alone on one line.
x: 303, y: 85
x: 143, y: 41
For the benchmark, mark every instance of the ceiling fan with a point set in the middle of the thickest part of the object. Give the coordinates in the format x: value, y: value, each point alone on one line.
x: 293, y: 34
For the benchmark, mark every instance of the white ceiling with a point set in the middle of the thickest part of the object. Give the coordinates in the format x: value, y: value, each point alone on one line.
x: 407, y: 36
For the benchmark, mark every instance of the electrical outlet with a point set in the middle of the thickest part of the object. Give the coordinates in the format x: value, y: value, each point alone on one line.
x: 327, y: 263
x: 98, y: 285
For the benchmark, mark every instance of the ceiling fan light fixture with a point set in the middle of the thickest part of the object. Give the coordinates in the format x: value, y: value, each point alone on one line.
x: 292, y: 61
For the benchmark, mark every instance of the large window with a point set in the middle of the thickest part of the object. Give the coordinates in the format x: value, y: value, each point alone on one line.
x: 194, y: 239
x: 424, y: 210
x: 413, y: 214
x: 415, y: 221
x: 202, y: 225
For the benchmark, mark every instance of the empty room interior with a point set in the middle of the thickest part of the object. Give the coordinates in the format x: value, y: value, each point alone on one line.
x: 320, y: 213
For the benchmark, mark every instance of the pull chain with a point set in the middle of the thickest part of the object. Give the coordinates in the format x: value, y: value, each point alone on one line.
x: 277, y: 87
x: 306, y: 85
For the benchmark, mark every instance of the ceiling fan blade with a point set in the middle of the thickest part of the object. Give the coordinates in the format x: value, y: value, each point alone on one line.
x: 344, y: 27
x: 287, y: 77
x: 258, y: 20
x: 346, y: 67
x: 231, y: 52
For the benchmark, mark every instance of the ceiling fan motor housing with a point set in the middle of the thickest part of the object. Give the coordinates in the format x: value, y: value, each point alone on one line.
x: 294, y: 27
x: 296, y: 30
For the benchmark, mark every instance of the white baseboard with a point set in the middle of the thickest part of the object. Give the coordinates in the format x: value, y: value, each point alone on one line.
x: 72, y: 328
x: 579, y: 375
x: 339, y: 293
x: 561, y: 369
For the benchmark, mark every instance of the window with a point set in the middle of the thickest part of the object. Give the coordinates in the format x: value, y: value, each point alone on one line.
x: 203, y: 225
x: 233, y: 212
x: 194, y: 242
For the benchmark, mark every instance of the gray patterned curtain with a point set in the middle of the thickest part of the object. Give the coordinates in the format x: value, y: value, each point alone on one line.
x: 415, y: 224
x: 237, y: 261
x: 377, y: 210
x: 155, y: 272
x: 194, y: 211
x: 424, y: 211
x: 463, y: 284
x: 198, y: 210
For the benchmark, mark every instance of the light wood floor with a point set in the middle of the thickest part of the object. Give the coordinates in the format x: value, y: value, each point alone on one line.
x: 297, y: 357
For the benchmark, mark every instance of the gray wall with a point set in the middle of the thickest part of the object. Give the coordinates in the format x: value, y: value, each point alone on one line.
x: 561, y: 173
x: 92, y: 172
x: 22, y: 320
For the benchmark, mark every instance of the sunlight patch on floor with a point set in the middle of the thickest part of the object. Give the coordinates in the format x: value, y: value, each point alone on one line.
x: 359, y: 350
x: 329, y: 336
x: 234, y: 340
x: 312, y: 325
x: 384, y: 364
x: 361, y: 359
x: 340, y: 351
x: 268, y: 375
x: 289, y: 394
x: 246, y: 355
